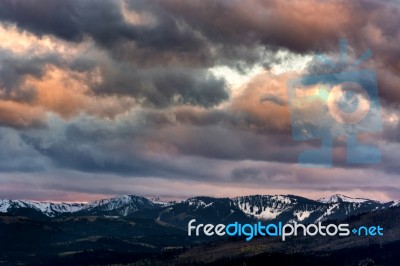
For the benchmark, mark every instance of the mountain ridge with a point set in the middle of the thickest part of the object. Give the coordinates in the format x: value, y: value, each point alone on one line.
x: 137, y: 226
x: 287, y: 208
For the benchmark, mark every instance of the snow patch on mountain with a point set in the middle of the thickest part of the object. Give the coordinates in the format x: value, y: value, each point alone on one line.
x: 330, y: 211
x: 395, y: 204
x: 197, y: 203
x: 264, y: 207
x: 302, y: 215
x: 4, y: 205
x: 263, y: 214
x: 282, y: 199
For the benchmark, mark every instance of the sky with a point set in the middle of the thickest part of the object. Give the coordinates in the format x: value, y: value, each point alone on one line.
x: 178, y: 98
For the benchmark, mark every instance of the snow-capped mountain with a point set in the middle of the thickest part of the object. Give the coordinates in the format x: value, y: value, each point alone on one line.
x: 285, y: 208
x: 121, y: 206
x: 290, y: 208
x: 47, y: 208
x: 342, y: 198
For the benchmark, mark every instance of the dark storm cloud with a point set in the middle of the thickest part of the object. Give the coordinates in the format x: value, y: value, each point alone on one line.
x: 90, y: 146
x: 145, y: 145
x: 141, y: 77
x: 275, y: 24
x: 161, y: 87
x: 127, y: 148
x: 69, y: 20
x: 17, y: 155
x: 304, y: 27
x: 168, y: 39
x: 171, y: 39
x: 158, y: 59
x: 199, y: 26
x: 72, y: 20
x: 158, y: 87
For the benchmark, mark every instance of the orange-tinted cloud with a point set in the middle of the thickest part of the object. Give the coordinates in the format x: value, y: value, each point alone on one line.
x: 16, y: 114
x: 264, y: 115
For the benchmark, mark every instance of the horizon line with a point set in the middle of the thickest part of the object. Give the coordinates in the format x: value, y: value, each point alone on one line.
x: 191, y: 197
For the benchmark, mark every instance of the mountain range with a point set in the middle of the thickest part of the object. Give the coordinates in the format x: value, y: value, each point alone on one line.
x: 147, y: 231
x: 285, y: 208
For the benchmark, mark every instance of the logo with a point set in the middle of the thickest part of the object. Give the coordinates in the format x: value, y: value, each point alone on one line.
x: 338, y: 104
x: 249, y: 231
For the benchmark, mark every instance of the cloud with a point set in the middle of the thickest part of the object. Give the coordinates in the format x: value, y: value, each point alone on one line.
x: 97, y: 91
x: 69, y: 20
x: 303, y: 28
x: 20, y: 115
x: 17, y: 155
x: 163, y: 87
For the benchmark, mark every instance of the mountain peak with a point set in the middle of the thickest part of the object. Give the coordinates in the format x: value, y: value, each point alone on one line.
x: 338, y: 198
x: 121, y: 200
